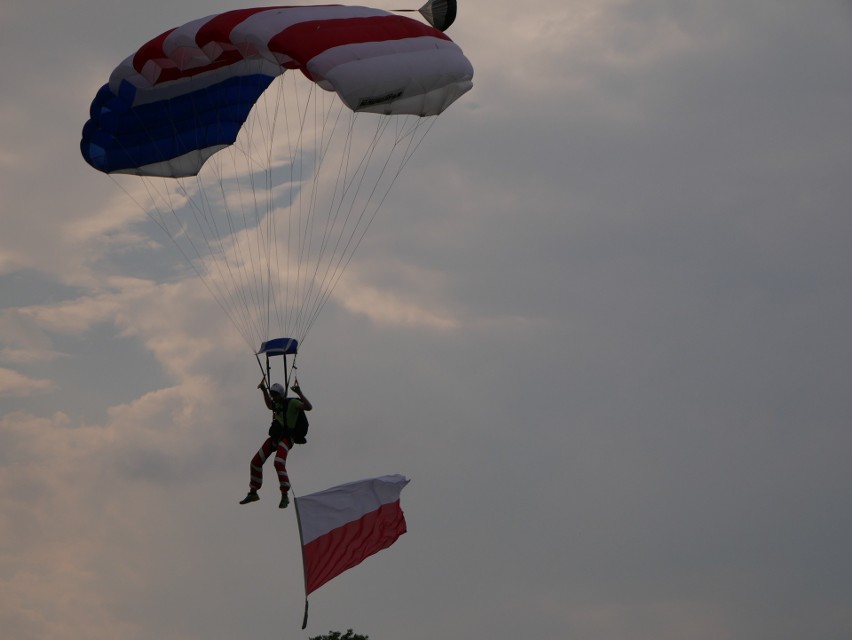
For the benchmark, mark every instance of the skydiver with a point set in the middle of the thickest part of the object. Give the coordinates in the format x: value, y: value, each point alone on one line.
x: 286, y: 413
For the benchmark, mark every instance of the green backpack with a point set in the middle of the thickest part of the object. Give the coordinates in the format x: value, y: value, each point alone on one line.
x: 299, y: 430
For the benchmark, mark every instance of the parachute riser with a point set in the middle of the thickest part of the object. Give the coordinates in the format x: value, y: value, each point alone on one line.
x: 267, y: 373
x: 264, y: 373
x: 278, y: 347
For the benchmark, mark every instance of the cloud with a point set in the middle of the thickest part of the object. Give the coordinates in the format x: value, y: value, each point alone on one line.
x: 74, y: 316
x: 26, y: 356
x: 18, y: 330
x: 53, y: 544
x: 16, y: 384
x: 76, y: 541
x: 7, y: 159
x: 387, y: 307
x: 606, y: 308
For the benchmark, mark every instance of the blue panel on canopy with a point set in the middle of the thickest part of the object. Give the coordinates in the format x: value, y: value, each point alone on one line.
x: 280, y: 347
x: 121, y: 136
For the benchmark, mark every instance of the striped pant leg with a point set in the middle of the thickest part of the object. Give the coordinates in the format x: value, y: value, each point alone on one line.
x: 281, y: 464
x: 257, y: 463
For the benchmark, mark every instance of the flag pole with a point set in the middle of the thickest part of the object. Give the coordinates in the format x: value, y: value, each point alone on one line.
x: 302, y: 548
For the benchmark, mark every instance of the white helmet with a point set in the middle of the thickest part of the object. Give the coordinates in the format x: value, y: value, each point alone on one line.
x: 278, y: 388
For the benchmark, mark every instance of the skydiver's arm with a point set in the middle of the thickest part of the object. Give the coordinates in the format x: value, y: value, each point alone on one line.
x: 266, y: 397
x: 306, y: 404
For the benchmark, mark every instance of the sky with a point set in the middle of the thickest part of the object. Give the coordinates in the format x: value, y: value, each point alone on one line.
x: 602, y: 324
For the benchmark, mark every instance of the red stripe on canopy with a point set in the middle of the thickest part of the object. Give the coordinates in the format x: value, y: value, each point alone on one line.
x: 306, y: 40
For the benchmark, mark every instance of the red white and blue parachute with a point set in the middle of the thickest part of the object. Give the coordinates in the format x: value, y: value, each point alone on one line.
x: 272, y: 192
x: 185, y: 95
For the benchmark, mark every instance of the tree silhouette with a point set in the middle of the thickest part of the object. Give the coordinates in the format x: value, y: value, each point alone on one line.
x: 336, y: 635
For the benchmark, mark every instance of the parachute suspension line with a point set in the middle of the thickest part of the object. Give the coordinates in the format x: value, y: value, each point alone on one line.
x: 332, y: 214
x: 324, y: 135
x: 214, y: 267
x: 257, y: 131
x: 272, y: 287
x: 252, y: 246
x: 292, y: 144
x: 295, y: 137
x: 224, y: 268
x: 239, y: 265
x: 343, y: 186
x: 245, y: 285
x: 249, y: 288
x: 205, y: 214
x: 281, y: 296
x: 228, y: 250
x: 317, y: 150
x: 298, y: 216
x: 264, y: 222
x: 415, y: 137
x: 330, y: 178
x: 305, y: 209
x: 291, y: 375
x: 269, y: 137
x: 272, y: 258
x: 155, y: 213
x: 308, y: 150
x: 217, y: 264
x: 223, y: 259
x: 302, y: 154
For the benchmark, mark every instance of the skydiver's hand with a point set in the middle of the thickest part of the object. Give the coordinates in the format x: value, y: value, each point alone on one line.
x: 262, y: 384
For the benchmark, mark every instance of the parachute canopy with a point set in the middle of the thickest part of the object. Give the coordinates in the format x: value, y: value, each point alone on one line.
x: 267, y: 181
x: 184, y: 95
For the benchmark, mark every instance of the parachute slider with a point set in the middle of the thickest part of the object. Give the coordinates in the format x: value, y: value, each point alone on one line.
x: 439, y: 13
x: 279, y: 347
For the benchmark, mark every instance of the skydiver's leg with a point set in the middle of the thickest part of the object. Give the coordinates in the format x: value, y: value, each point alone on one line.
x: 281, y: 465
x: 281, y: 468
x: 257, y: 464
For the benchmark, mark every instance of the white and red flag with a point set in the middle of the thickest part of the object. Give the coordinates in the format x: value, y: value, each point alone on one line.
x: 343, y: 525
